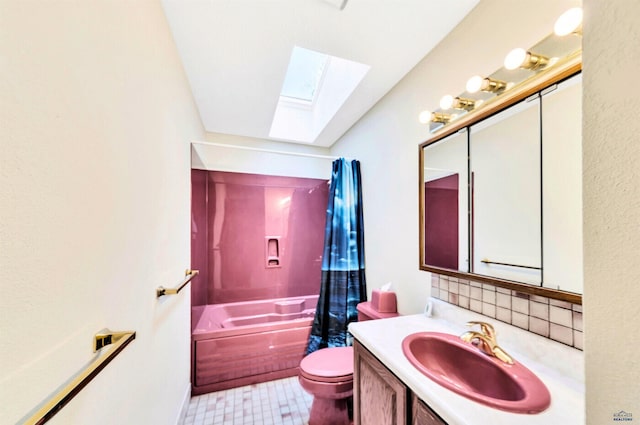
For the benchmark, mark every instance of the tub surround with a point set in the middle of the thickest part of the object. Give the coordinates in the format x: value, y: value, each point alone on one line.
x: 255, y: 236
x: 560, y: 367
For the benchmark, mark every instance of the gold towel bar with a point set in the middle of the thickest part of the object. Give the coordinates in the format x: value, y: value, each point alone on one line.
x: 49, y: 407
x: 510, y: 265
x: 189, y: 274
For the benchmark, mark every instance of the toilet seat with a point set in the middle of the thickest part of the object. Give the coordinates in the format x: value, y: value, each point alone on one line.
x: 329, y: 365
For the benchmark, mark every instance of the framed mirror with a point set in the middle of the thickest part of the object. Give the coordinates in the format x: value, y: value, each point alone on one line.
x: 500, y: 190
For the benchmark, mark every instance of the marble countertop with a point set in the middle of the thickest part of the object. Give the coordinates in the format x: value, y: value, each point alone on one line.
x: 560, y: 367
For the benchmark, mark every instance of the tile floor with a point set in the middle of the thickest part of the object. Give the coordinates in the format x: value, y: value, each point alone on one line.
x: 280, y: 402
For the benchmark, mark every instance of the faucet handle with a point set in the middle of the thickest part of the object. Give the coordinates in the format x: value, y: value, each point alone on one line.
x: 485, y: 328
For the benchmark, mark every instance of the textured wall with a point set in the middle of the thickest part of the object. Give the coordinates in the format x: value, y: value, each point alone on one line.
x: 611, y: 190
x: 95, y: 120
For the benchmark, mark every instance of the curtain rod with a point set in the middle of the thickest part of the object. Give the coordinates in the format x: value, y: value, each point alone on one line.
x: 248, y: 148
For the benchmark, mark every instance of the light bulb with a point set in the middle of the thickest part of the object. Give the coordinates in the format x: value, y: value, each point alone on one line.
x: 515, y: 58
x: 474, y: 84
x: 446, y: 102
x: 477, y: 83
x: 569, y: 22
x: 520, y: 58
x: 425, y: 117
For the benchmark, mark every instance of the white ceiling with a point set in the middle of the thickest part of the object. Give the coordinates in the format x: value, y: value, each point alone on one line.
x: 235, y: 52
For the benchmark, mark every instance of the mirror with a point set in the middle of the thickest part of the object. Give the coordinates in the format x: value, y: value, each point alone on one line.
x: 562, y: 186
x: 509, y: 186
x: 446, y: 233
x: 506, y: 194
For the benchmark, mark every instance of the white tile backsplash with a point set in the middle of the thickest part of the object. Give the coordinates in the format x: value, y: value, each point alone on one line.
x: 489, y: 309
x: 555, y: 319
x: 520, y: 320
x: 503, y: 300
x: 539, y: 310
x: 476, y: 293
x: 560, y: 316
x: 561, y: 333
x: 521, y: 305
x: 488, y: 296
x: 539, y: 326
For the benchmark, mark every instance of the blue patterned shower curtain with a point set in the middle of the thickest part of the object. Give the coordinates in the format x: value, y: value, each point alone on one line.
x: 343, y: 283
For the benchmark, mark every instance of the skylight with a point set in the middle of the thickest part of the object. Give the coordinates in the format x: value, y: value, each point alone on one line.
x: 304, y: 74
x: 315, y: 88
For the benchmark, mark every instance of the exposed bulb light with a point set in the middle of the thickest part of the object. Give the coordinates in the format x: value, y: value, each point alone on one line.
x: 570, y: 22
x: 477, y: 83
x: 446, y: 102
x: 520, y: 58
x: 450, y: 102
x: 427, y: 117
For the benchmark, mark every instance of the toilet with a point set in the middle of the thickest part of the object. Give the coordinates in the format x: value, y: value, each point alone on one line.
x: 327, y: 374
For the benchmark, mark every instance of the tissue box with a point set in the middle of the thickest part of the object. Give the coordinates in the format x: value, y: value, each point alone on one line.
x: 384, y: 301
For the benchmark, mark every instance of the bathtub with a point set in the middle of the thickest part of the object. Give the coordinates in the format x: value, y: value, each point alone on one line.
x: 249, y: 342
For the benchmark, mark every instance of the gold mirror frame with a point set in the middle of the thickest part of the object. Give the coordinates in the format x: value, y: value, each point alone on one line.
x: 565, y: 68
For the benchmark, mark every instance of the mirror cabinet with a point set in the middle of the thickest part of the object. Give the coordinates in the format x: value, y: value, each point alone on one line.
x: 501, y: 192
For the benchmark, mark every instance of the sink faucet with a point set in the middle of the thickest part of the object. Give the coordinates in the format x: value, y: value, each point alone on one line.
x: 486, y: 341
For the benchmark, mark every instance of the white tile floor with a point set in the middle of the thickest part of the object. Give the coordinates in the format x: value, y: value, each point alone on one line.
x: 281, y: 402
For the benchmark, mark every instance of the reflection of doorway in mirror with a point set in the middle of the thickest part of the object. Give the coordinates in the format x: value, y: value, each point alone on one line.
x: 441, y: 220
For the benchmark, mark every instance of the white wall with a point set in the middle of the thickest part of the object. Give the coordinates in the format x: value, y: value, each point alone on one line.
x: 386, y: 139
x: 611, y: 193
x: 239, y: 154
x: 95, y: 119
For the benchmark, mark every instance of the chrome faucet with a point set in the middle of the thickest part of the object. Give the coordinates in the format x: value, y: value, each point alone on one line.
x: 486, y: 341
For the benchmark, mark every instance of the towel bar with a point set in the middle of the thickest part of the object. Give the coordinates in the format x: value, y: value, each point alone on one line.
x: 52, y: 405
x: 510, y: 265
x: 189, y: 274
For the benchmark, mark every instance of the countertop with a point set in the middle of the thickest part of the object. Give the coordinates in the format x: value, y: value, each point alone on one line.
x: 560, y: 367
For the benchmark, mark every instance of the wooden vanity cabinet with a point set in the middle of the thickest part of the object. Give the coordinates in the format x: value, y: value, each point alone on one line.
x: 421, y: 414
x: 380, y: 398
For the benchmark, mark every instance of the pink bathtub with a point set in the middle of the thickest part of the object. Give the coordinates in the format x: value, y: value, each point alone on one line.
x: 245, y: 343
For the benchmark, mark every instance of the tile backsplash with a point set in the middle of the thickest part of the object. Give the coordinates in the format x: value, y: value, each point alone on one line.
x: 558, y: 320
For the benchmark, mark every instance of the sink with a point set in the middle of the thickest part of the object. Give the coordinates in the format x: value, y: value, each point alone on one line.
x: 464, y: 369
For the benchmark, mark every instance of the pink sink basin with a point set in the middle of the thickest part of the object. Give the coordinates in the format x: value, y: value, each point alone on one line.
x: 464, y: 369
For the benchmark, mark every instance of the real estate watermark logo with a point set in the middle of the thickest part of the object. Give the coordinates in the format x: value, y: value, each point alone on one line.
x: 622, y: 416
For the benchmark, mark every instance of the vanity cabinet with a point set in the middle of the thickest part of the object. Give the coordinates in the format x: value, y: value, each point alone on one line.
x: 421, y: 414
x: 380, y: 398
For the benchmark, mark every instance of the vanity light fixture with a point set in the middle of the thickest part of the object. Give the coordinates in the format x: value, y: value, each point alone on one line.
x: 520, y: 58
x: 426, y: 117
x: 570, y: 22
x: 439, y: 117
x: 450, y: 102
x: 477, y: 83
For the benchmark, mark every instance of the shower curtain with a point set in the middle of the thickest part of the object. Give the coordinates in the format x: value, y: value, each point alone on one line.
x: 343, y: 283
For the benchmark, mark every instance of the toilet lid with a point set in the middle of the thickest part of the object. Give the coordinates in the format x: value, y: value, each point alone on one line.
x: 329, y: 362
